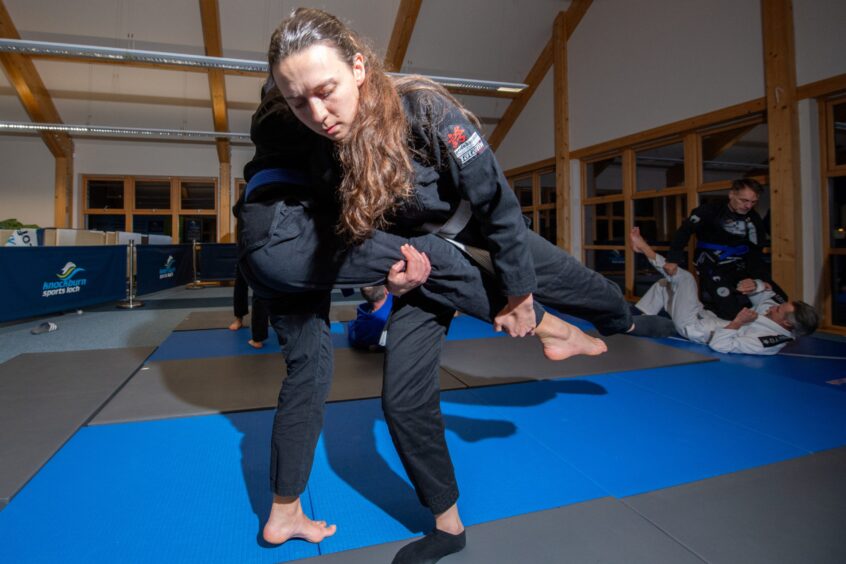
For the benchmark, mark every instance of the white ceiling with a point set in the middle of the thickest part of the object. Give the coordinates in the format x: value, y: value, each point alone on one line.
x: 482, y: 39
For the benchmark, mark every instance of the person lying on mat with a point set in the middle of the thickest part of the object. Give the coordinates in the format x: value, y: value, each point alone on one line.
x: 763, y: 329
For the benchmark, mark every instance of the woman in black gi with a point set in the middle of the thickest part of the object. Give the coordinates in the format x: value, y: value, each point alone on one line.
x: 292, y: 256
x: 414, y: 160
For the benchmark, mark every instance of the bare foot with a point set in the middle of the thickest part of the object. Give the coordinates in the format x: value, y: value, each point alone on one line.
x: 639, y: 244
x: 287, y: 521
x: 237, y: 324
x: 561, y: 340
x: 255, y: 344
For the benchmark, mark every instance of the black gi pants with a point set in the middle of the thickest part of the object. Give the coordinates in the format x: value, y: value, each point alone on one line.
x: 301, y: 323
x: 568, y: 286
x: 240, y: 306
x: 288, y: 249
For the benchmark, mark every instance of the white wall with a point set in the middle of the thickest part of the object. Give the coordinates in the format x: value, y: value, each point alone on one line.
x: 27, y: 182
x: 532, y: 137
x: 820, y: 40
x: 809, y: 159
x: 637, y: 65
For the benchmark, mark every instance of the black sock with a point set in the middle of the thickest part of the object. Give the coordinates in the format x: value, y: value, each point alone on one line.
x: 653, y: 326
x: 430, y: 548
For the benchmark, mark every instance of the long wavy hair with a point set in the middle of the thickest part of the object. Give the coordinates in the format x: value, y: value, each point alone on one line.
x: 376, y: 165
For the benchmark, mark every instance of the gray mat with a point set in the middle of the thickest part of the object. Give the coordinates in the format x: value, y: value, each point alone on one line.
x: 792, y: 511
x: 46, y: 397
x: 179, y: 388
x: 220, y: 319
x: 479, y: 362
x: 602, y: 530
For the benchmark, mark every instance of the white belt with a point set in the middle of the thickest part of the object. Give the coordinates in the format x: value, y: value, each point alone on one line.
x: 453, y: 226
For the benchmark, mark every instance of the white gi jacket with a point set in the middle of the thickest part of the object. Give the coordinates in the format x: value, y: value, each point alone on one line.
x: 762, y: 336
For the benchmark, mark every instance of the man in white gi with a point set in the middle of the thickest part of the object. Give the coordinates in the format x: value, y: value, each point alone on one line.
x: 764, y: 329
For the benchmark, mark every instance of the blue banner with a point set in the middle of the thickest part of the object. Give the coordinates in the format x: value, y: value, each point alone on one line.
x: 40, y: 280
x: 217, y: 261
x: 160, y: 267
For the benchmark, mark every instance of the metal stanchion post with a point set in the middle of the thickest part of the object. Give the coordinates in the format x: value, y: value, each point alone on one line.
x: 196, y: 283
x: 130, y: 302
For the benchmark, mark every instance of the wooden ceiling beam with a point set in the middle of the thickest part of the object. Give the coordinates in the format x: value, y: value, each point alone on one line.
x: 30, y: 89
x: 575, y: 13
x: 401, y: 35
x: 217, y: 81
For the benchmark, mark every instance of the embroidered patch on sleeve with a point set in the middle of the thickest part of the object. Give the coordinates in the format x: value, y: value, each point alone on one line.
x: 774, y: 340
x: 464, y: 148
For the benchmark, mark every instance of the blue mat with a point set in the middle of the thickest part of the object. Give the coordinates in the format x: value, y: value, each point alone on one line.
x: 815, y: 346
x: 196, y: 489
x: 181, y: 490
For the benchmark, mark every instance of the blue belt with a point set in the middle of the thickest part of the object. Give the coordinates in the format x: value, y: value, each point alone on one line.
x: 274, y: 176
x: 725, y: 251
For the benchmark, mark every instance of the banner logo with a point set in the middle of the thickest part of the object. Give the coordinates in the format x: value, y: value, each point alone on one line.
x: 67, y: 283
x: 169, y: 268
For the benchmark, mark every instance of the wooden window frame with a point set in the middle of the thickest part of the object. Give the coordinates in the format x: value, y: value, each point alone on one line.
x: 693, y: 179
x: 828, y: 170
x: 534, y: 172
x: 129, y: 210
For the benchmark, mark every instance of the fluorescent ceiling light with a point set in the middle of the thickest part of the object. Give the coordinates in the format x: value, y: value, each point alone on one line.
x: 111, y: 54
x: 142, y: 132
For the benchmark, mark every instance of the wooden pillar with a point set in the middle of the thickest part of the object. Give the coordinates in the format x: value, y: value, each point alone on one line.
x: 63, y: 203
x: 692, y: 181
x: 562, y: 132
x: 783, y: 127
x: 629, y: 175
x: 224, y: 214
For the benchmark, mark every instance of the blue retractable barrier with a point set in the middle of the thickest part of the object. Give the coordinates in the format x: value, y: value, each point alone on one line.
x: 163, y: 266
x: 217, y: 261
x: 41, y: 280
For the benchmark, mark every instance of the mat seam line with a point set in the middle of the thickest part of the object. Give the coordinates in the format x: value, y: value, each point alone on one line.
x: 663, y: 531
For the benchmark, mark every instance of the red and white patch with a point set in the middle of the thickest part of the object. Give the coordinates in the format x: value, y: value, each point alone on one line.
x: 456, y: 137
x: 465, y: 148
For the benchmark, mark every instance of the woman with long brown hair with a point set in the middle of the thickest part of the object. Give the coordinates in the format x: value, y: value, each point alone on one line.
x: 411, y: 159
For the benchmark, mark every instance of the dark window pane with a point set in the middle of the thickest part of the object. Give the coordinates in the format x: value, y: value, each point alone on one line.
x: 105, y: 194
x: 840, y: 133
x: 106, y: 222
x: 604, y: 177
x: 152, y: 195
x: 660, y: 167
x: 547, y: 225
x: 611, y: 264
x: 838, y: 290
x: 618, y: 209
x: 659, y: 218
x: 547, y: 186
x: 837, y: 211
x: 197, y: 195
x: 523, y: 190
x: 198, y: 228
x: 736, y: 153
x: 602, y: 229
x: 152, y: 224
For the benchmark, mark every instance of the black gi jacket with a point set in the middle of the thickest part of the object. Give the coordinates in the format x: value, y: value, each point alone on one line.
x: 716, y: 223
x: 453, y: 162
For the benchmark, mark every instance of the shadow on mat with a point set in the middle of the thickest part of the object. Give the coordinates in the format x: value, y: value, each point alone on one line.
x: 351, y: 445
